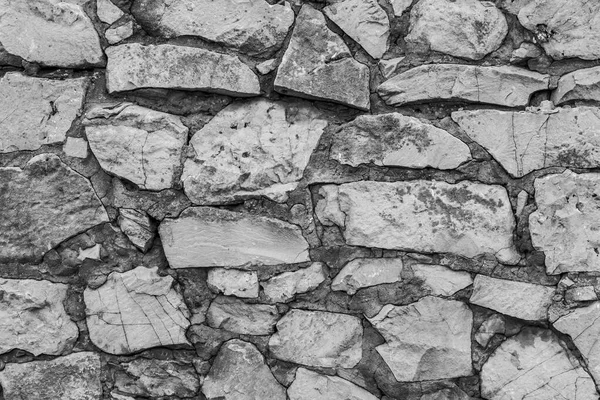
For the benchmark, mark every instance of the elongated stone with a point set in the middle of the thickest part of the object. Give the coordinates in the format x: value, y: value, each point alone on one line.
x: 236, y: 316
x: 583, y: 84
x: 440, y: 280
x: 365, y: 272
x: 233, y: 282
x: 138, y: 228
x: 310, y: 385
x: 285, y: 286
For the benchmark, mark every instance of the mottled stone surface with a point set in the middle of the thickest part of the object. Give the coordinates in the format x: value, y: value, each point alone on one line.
x: 581, y: 293
x: 119, y: 33
x: 237, y: 316
x: 107, y: 11
x: 441, y: 281
x: 310, y: 385
x: 399, y: 6
x: 76, y: 147
x: 285, y: 286
x: 138, y: 228
x: 233, y: 282
x: 365, y: 272
x: 493, y: 325
x: 582, y: 84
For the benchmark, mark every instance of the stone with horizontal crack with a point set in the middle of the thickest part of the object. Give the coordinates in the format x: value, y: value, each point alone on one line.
x: 366, y: 272
x: 237, y: 316
x: 310, y: 385
x: 283, y: 287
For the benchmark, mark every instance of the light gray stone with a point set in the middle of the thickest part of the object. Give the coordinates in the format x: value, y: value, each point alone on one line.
x: 389, y: 67
x: 119, y: 33
x: 310, y: 385
x: 76, y: 147
x: 399, y: 6
x: 495, y: 324
x: 366, y: 272
x: 267, y: 66
x: 582, y: 84
x: 581, y: 293
x: 138, y: 228
x: 233, y: 282
x: 285, y: 286
x: 237, y: 316
x: 108, y: 12
x: 440, y: 280
x: 93, y: 253
x: 524, y: 52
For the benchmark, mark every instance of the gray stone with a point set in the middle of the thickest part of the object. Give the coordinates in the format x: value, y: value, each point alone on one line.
x: 366, y: 272
x: 524, y: 52
x: 495, y: 324
x: 582, y: 84
x: 285, y: 286
x: 389, y: 67
x: 76, y: 147
x: 310, y: 385
x: 119, y: 33
x: 237, y: 316
x: 399, y: 6
x: 441, y: 281
x: 267, y: 66
x: 108, y: 12
x: 233, y: 282
x: 581, y: 293
x: 138, y: 228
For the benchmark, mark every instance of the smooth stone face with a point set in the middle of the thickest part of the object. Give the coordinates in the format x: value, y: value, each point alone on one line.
x: 505, y: 85
x: 533, y: 365
x: 518, y: 299
x: 72, y: 377
x: 365, y: 272
x: 318, y: 339
x: 157, y: 378
x: 50, y: 33
x: 76, y: 147
x: 252, y: 148
x: 462, y: 28
x: 236, y: 316
x: 566, y: 224
x: 234, y: 282
x: 107, y: 11
x: 136, y: 143
x: 468, y: 219
x: 240, y: 373
x: 389, y: 67
x: 136, y: 310
x: 318, y: 65
x: 395, y: 140
x: 134, y: 66
x: 42, y: 205
x: 429, y: 339
x: 400, y: 6
x: 138, y: 228
x: 210, y: 237
x: 583, y: 84
x: 284, y: 287
x: 37, y: 111
x: 310, y: 385
x: 441, y: 281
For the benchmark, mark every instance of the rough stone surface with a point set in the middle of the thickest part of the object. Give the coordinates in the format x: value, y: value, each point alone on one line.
x: 495, y: 324
x: 108, y: 12
x: 441, y: 281
x: 284, y: 287
x: 365, y: 272
x: 581, y: 293
x: 582, y: 84
x: 237, y: 316
x: 233, y: 282
x: 138, y: 228
x: 76, y: 147
x: 399, y: 6
x: 119, y: 33
x: 310, y: 385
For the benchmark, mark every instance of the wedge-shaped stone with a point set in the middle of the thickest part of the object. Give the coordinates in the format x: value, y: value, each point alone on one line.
x: 466, y: 218
x: 237, y: 316
x: 252, y: 148
x: 108, y: 12
x: 138, y: 228
x: 318, y: 339
x: 440, y: 280
x: 365, y: 272
x: 134, y: 66
x: 506, y: 85
x: 136, y: 143
x: 394, y: 140
x: 233, y: 282
x: 534, y: 365
x: 400, y: 6
x: 429, y: 339
x: 136, y: 310
x: 583, y: 84
x: 284, y: 287
x: 211, y: 237
x: 318, y: 65
x: 310, y: 385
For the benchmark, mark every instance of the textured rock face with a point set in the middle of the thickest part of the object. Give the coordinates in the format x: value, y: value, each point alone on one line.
x: 210, y: 237
x: 72, y: 377
x: 310, y: 385
x: 397, y: 141
x: 134, y: 66
x: 233, y: 282
x: 504, y: 85
x: 138, y: 228
x: 252, y: 148
x: 107, y: 11
x: 441, y: 281
x: 43, y: 204
x: 429, y: 339
x: 318, y: 339
x: 463, y: 28
x: 467, y: 218
x: 119, y: 33
x: 136, y: 310
x: 318, y: 65
x: 400, y: 6
x: 583, y: 84
x: 284, y: 287
x: 365, y: 272
x: 239, y: 317
x: 565, y: 225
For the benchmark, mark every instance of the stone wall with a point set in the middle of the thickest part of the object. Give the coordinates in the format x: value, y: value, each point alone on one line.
x: 329, y: 200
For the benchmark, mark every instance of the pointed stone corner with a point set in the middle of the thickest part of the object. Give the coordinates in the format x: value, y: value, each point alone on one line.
x: 212, y: 237
x: 440, y: 280
x: 138, y: 228
x: 136, y: 310
x: 582, y: 84
x: 310, y: 385
x: 367, y: 272
x: 318, y: 65
x: 283, y: 287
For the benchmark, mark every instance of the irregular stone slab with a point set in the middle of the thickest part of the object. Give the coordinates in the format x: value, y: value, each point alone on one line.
x: 394, y: 140
x: 565, y: 225
x: 134, y: 66
x: 252, y: 148
x: 582, y: 84
x: 462, y: 28
x: 399, y: 6
x: 318, y: 339
x: 564, y: 29
x: 240, y: 373
x: 234, y: 282
x: 318, y: 65
x: 76, y: 147
x: 505, y: 85
x: 517, y: 299
x: 267, y: 66
x: 441, y: 281
x: 44, y: 204
x: 211, y: 237
x: 119, y: 33
x: 364, y: 21
x: 236, y: 316
x: 284, y: 287
x: 524, y: 141
x: 138, y: 228
x: 533, y: 365
x: 108, y: 12
x: 310, y: 385
x: 493, y: 325
x: 581, y: 293
x: 466, y: 218
x: 50, y: 33
x: 366, y: 272
x: 93, y: 253
x: 252, y: 26
x: 72, y: 377
x: 37, y: 111
x: 32, y: 317
x: 388, y: 68
x: 136, y: 310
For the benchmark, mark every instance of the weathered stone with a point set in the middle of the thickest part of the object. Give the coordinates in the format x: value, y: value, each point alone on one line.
x: 505, y: 85
x: 318, y: 65
x: 252, y: 148
x: 310, y: 385
x: 239, y: 373
x: 237, y: 316
x: 581, y: 293
x: 524, y: 141
x: 72, y: 377
x: 583, y: 84
x: 399, y: 6
x: 318, y: 339
x: 119, y: 33
x: 365, y: 272
x: 42, y: 205
x: 566, y: 224
x: 490, y: 327
x: 136, y: 310
x: 108, y: 12
x: 37, y: 111
x: 138, y: 228
x: 395, y: 140
x: 76, y: 147
x: 466, y: 218
x: 267, y: 66
x: 284, y: 287
x: 429, y: 339
x: 441, y: 281
x: 134, y: 66
x: 388, y: 68
x: 136, y: 143
x: 234, y: 282
x: 211, y: 237
x: 524, y: 52
x: 93, y: 253
x: 533, y: 365
x: 49, y: 32
x: 462, y: 28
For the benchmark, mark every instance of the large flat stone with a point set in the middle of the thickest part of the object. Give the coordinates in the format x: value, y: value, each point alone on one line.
x: 310, y: 385
x: 366, y: 272
x: 283, y: 287
x: 236, y: 316
x: 582, y: 84
x: 211, y: 237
